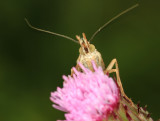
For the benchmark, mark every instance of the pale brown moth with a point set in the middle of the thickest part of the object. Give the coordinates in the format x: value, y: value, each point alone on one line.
x: 88, y: 52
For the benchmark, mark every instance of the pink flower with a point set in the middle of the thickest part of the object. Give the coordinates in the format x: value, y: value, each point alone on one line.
x: 87, y: 96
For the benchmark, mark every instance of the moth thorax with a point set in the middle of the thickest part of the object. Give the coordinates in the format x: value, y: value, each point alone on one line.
x: 87, y: 58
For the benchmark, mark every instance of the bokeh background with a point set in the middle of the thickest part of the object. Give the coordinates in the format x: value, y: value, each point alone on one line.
x: 32, y: 63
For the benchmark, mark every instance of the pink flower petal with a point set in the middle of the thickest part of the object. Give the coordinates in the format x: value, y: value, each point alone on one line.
x: 88, y: 96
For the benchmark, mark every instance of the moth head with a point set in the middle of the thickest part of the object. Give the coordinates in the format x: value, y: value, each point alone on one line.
x: 86, y: 47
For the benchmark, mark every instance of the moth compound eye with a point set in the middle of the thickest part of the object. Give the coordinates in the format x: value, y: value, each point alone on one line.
x: 80, y: 51
x: 91, y: 47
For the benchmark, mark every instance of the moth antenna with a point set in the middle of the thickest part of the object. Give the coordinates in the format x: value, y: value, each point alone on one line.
x: 49, y: 32
x: 111, y: 20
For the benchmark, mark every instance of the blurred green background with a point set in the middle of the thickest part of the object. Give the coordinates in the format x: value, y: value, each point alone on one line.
x: 32, y: 63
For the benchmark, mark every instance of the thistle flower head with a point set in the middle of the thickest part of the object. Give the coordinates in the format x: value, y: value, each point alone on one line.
x: 87, y: 96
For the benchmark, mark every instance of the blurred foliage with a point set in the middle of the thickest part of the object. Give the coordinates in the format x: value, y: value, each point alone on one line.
x: 32, y: 63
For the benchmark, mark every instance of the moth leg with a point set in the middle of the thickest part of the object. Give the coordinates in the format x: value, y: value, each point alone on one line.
x: 77, y: 67
x: 110, y: 69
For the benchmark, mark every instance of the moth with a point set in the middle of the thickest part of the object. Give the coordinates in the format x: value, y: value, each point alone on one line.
x: 88, y: 52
